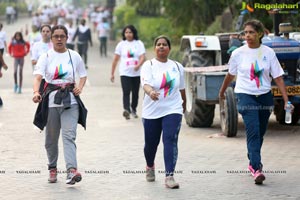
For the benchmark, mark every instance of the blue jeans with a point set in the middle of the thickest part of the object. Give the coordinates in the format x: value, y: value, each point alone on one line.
x: 256, y: 111
x: 169, y: 125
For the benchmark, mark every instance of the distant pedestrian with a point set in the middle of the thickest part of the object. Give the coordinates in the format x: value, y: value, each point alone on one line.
x: 36, y: 20
x: 255, y: 66
x: 131, y: 53
x: 9, y: 14
x: 60, y: 107
x: 29, y: 9
x: 103, y: 29
x: 83, y: 33
x: 34, y: 36
x: 18, y: 49
x: 163, y: 106
x: 41, y: 46
x: 71, y: 32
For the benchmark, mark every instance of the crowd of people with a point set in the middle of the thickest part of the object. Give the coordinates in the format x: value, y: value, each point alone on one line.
x: 55, y: 35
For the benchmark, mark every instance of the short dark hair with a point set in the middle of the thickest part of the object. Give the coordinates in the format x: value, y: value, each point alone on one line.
x: 82, y: 21
x: 45, y: 25
x: 257, y: 26
x: 163, y: 37
x: 133, y: 30
x: 56, y: 27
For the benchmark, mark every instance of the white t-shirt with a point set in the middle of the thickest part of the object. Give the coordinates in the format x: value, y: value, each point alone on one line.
x: 57, y: 69
x: 255, y: 69
x: 167, y: 79
x: 2, y: 39
x: 103, y: 29
x: 71, y: 33
x: 129, y: 52
x: 39, y: 48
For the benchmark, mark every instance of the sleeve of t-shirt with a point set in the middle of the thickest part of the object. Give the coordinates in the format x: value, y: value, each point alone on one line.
x: 40, y: 66
x: 34, y: 55
x: 118, y: 48
x: 276, y: 69
x: 233, y: 64
x: 181, y: 82
x: 142, y: 48
x: 80, y: 67
x: 146, y: 74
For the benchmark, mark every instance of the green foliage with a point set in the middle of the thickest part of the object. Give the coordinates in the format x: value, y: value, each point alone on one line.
x: 176, y: 54
x: 150, y: 28
x: 125, y: 15
x: 195, y: 16
x: 214, y: 27
x: 146, y: 7
x: 22, y: 7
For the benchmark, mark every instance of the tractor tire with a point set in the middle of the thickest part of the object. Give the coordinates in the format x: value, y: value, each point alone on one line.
x: 198, y: 113
x: 229, y: 113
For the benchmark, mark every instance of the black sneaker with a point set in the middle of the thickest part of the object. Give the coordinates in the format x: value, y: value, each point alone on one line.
x: 126, y: 114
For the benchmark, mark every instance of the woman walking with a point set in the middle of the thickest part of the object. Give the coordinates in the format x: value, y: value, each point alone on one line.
x: 60, y: 108
x: 18, y: 49
x: 255, y: 66
x: 131, y: 52
x: 164, y: 103
x: 42, y: 46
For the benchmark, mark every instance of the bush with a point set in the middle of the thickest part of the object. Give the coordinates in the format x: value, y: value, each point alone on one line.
x: 22, y: 7
x: 149, y: 28
x: 124, y: 15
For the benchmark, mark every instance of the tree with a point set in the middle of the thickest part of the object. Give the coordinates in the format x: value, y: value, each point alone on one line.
x: 194, y: 15
x: 146, y: 7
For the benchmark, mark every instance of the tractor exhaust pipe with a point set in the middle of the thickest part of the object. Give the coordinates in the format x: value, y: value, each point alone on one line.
x: 276, y: 22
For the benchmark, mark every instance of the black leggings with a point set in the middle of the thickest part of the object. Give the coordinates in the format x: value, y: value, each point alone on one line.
x: 130, y: 84
x: 82, y: 50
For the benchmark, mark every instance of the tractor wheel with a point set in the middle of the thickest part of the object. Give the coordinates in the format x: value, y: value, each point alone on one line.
x: 198, y: 113
x: 229, y: 113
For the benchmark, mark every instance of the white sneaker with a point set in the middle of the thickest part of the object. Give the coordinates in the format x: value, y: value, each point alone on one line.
x: 170, y: 182
x: 150, y: 174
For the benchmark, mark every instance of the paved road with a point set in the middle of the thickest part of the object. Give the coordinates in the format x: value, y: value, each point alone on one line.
x: 110, y: 151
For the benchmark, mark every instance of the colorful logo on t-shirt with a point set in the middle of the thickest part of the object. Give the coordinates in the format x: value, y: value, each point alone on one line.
x: 167, y: 84
x: 256, y: 74
x: 59, y: 74
x: 130, y: 53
